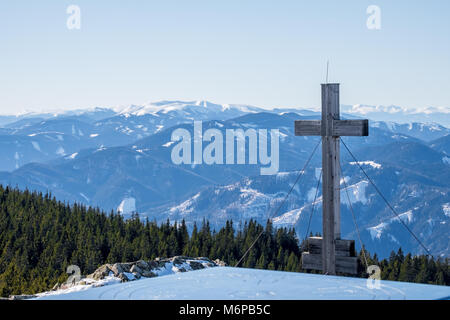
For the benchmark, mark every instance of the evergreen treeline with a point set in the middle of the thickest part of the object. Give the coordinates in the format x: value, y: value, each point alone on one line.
x: 40, y: 237
x: 409, y: 268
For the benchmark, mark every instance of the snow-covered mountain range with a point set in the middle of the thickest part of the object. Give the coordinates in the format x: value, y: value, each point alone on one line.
x: 39, y: 137
x: 119, y: 159
x: 400, y: 114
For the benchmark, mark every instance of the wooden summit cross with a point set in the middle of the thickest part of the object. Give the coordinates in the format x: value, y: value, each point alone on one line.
x: 331, y: 254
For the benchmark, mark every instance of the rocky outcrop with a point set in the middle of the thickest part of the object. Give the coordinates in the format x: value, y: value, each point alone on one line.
x: 130, y: 271
x: 135, y: 270
x: 220, y: 263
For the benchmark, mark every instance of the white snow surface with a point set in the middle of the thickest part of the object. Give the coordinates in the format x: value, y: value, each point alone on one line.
x: 84, y: 196
x: 373, y: 164
x: 446, y: 209
x: 72, y: 156
x: 36, y: 145
x: 356, y: 192
x: 168, y: 144
x: 229, y: 283
x: 185, y: 207
x: 446, y: 160
x: 127, y: 206
x: 289, y: 218
x: 60, y: 151
x: 181, y: 107
x: 377, y: 231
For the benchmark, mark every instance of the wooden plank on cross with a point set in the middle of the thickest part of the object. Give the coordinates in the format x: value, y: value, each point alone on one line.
x: 343, y: 247
x: 340, y: 128
x: 351, y: 128
x: 344, y: 264
x: 308, y: 127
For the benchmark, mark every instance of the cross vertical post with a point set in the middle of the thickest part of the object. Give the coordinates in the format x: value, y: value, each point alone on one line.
x: 331, y: 177
x: 330, y: 253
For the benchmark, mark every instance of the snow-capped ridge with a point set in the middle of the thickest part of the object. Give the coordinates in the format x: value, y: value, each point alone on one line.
x: 198, y: 106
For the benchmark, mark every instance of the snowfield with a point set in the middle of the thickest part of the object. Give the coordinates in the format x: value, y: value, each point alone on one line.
x: 377, y: 231
x: 373, y: 164
x: 127, y: 206
x: 446, y: 209
x: 241, y: 284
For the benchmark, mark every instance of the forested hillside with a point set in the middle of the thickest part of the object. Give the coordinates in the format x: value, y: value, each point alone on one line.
x: 40, y: 237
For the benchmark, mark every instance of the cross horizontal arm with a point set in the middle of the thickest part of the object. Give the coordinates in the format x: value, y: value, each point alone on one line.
x: 308, y: 127
x: 350, y: 128
x: 339, y: 128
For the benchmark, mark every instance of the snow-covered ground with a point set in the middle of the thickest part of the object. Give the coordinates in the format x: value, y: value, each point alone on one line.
x: 241, y: 284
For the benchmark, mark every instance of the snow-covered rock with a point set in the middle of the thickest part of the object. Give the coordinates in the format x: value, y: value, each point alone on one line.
x: 109, y: 274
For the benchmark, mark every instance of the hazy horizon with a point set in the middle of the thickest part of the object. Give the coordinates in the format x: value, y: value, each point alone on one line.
x: 258, y: 53
x: 120, y: 108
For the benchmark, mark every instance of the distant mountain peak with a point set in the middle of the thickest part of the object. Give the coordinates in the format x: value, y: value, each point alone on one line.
x: 198, y: 106
x: 364, y: 109
x: 399, y: 114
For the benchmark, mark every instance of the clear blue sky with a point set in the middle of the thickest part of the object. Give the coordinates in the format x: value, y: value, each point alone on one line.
x: 265, y: 53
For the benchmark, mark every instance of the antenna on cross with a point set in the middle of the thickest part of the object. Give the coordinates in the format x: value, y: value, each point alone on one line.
x: 326, y: 80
